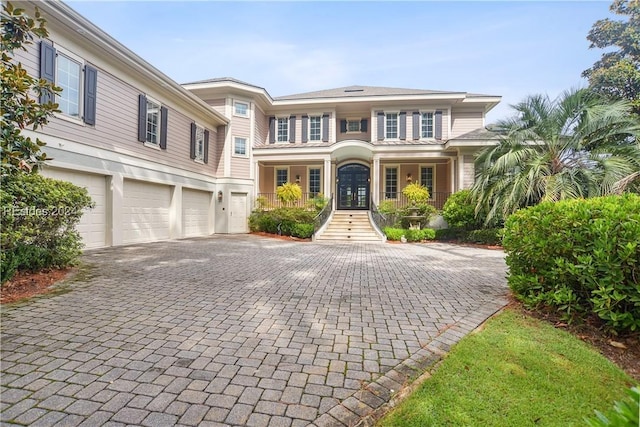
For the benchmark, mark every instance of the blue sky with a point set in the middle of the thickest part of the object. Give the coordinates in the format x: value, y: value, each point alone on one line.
x: 504, y: 48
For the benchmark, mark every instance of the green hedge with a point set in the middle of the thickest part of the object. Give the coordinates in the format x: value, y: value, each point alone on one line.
x: 579, y: 256
x: 459, y: 211
x: 396, y: 234
x: 296, y: 222
x: 39, y: 216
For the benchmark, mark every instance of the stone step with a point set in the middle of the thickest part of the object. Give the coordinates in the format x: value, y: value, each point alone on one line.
x: 349, y: 226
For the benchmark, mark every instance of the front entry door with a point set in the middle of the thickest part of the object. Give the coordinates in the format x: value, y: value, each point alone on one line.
x: 353, y: 187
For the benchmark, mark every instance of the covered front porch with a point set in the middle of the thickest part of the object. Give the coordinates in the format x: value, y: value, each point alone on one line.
x: 357, y: 175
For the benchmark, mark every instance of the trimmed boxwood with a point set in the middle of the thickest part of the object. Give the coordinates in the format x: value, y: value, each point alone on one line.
x: 578, y: 256
x: 296, y: 222
x: 395, y: 234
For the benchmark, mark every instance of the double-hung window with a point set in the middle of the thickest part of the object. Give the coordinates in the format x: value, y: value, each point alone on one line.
x: 153, y: 122
x: 68, y: 77
x: 426, y: 178
x: 391, y: 126
x: 314, y: 181
x: 199, y: 143
x: 282, y: 176
x: 426, y: 127
x: 315, y: 128
x: 240, y: 147
x: 282, y: 129
x: 390, y: 182
x: 241, y: 109
x: 78, y: 81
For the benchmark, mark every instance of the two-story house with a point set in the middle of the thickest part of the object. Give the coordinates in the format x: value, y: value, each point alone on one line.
x: 163, y: 160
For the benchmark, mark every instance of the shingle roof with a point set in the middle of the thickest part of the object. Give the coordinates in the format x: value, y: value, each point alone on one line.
x: 480, y: 133
x: 223, y: 79
x: 360, y: 91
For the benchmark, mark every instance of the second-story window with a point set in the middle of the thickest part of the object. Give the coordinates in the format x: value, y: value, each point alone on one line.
x: 315, y: 128
x: 240, y: 147
x: 68, y: 77
x: 199, y: 143
x: 353, y: 125
x: 426, y: 128
x: 391, y: 126
x: 283, y: 129
x: 153, y: 122
x: 241, y: 109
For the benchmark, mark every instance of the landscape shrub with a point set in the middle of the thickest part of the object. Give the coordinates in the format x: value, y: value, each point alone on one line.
x: 448, y: 234
x: 625, y: 413
x: 395, y: 234
x: 283, y: 221
x: 459, y: 211
x: 304, y: 231
x: 484, y: 236
x: 578, y: 256
x: 39, y: 216
x: 288, y: 193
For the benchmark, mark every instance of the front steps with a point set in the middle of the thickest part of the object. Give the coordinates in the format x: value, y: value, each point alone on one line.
x: 349, y: 226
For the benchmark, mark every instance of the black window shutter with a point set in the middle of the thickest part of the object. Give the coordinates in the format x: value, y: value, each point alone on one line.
x: 142, y: 118
x: 305, y: 128
x: 380, y: 125
x: 47, y: 68
x: 416, y: 125
x: 192, y: 147
x: 206, y: 146
x: 325, y: 127
x: 403, y: 124
x: 164, y: 116
x: 272, y: 130
x: 363, y: 125
x: 292, y: 129
x: 438, y: 125
x: 343, y: 126
x: 90, y: 94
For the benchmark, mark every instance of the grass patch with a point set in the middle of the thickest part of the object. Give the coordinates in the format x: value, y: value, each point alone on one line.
x: 518, y: 371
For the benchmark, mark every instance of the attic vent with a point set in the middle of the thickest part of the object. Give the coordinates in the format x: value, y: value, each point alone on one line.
x: 354, y: 90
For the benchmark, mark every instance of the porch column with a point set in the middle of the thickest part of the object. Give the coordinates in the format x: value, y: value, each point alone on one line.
x: 460, y: 171
x: 326, y: 171
x: 375, y: 180
x: 256, y: 178
x: 452, y: 174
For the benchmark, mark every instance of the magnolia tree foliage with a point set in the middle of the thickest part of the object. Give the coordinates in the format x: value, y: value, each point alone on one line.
x: 19, y: 105
x: 617, y: 73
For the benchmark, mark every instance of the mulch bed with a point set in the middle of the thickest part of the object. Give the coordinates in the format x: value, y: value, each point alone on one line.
x: 25, y: 285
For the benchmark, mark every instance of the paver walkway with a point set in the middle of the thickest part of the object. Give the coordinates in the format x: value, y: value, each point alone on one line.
x: 240, y: 330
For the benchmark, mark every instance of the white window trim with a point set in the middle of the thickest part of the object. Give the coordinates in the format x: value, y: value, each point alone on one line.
x: 309, y: 127
x: 201, y: 158
x: 77, y: 120
x: 433, y: 124
x: 428, y: 165
x: 248, y: 104
x: 309, y: 180
x: 151, y: 144
x: 288, y: 120
x: 397, y: 113
x: 384, y: 180
x: 354, y: 119
x: 246, y: 147
x: 275, y: 175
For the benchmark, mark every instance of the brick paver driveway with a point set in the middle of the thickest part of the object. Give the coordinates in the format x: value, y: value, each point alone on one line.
x: 240, y: 330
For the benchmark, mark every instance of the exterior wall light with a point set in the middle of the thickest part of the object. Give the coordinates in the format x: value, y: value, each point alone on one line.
x: 219, y: 196
x: 409, y: 178
x: 297, y: 179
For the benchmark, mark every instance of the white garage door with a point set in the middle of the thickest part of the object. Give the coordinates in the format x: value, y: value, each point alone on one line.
x: 93, y: 224
x: 145, y: 212
x: 238, y: 214
x: 195, y: 212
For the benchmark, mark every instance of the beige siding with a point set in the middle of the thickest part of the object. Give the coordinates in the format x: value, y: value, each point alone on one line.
x: 241, y: 127
x: 218, y: 158
x: 217, y: 104
x: 469, y: 172
x: 116, y: 127
x: 261, y: 127
x: 240, y: 167
x: 362, y: 136
x: 463, y: 122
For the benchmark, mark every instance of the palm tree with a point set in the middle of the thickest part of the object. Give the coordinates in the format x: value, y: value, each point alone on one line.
x: 579, y: 145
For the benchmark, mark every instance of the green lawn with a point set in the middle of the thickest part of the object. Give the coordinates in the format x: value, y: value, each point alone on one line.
x: 517, y: 371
